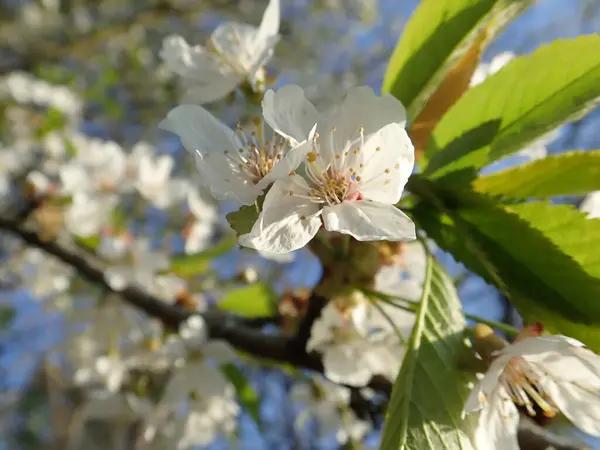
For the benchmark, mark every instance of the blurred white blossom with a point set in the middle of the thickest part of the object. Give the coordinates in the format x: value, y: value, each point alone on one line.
x: 236, y: 53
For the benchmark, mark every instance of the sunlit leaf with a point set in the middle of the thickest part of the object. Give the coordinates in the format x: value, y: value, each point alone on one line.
x: 427, y: 400
x: 255, y: 300
x: 518, y: 104
x: 437, y: 35
x: 572, y: 173
x: 189, y: 265
x: 541, y: 256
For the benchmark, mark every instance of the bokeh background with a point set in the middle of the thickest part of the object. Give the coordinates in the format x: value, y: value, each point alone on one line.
x: 107, y: 52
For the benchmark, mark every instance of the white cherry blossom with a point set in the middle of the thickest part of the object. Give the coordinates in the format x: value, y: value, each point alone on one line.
x: 198, y: 235
x: 154, y: 182
x: 209, y: 399
x: 406, y: 277
x: 554, y: 373
x: 88, y: 213
x: 98, y: 166
x: 236, y: 53
x: 45, y: 275
x: 133, y: 262
x: 328, y: 403
x: 233, y: 164
x: 352, y: 352
x: 352, y: 177
x: 116, y: 407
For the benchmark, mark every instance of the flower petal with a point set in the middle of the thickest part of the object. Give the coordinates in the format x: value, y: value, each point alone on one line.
x: 289, y: 113
x: 265, y: 40
x: 578, y: 403
x: 286, y: 222
x: 482, y: 392
x: 234, y: 42
x: 369, y: 221
x: 210, y: 91
x: 199, y: 130
x: 343, y: 365
x: 498, y: 424
x: 363, y: 109
x: 190, y: 62
x: 225, y: 179
x: 389, y: 159
x: 269, y: 26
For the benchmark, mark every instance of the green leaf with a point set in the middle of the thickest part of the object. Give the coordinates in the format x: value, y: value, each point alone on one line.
x: 572, y: 173
x: 53, y: 120
x: 521, y: 102
x: 255, y: 300
x: 246, y: 393
x: 7, y: 314
x: 427, y: 400
x: 539, y: 267
x: 241, y: 221
x: 89, y: 242
x: 436, y: 36
x: 568, y: 228
x: 190, y: 265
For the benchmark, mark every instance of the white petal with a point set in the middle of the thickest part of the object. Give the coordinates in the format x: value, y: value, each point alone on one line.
x: 388, y: 162
x: 538, y: 345
x: 265, y: 40
x: 289, y: 113
x: 219, y: 350
x: 280, y: 227
x: 200, y: 131
x: 570, y: 364
x: 225, y: 179
x: 74, y: 178
x: 369, y: 221
x: 482, y: 392
x: 363, y: 109
x: 211, y: 90
x: 580, y: 404
x: 187, y: 61
x: 342, y: 366
x: 234, y: 42
x: 269, y: 26
x: 498, y: 424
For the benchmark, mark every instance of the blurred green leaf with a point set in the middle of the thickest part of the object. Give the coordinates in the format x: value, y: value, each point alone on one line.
x: 572, y: 173
x: 520, y: 103
x: 7, y: 314
x: 190, y: 265
x: 246, y: 393
x: 539, y: 255
x: 255, y: 300
x: 435, y: 38
x: 241, y: 221
x: 52, y: 120
x: 89, y: 242
x: 428, y: 396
